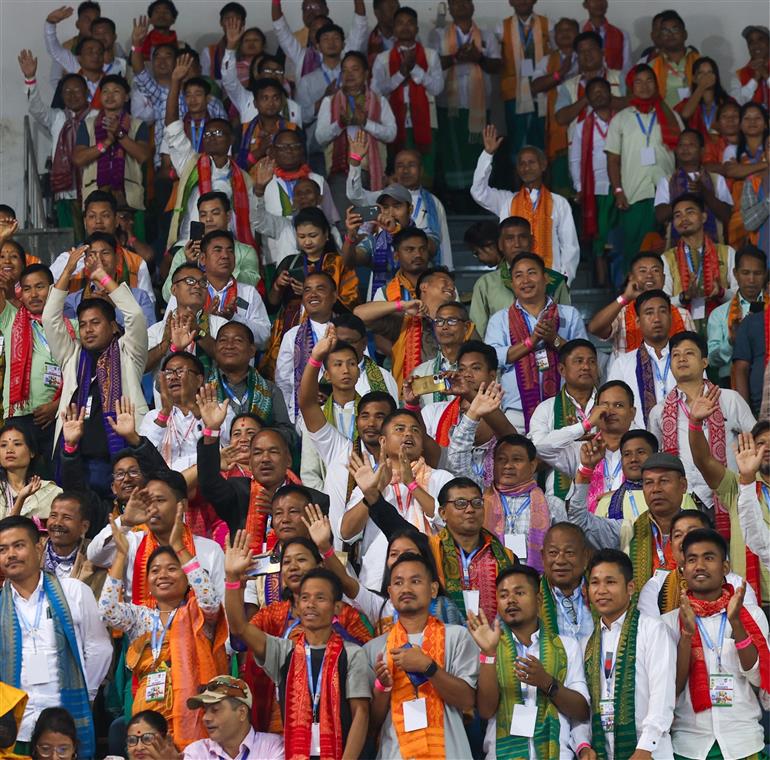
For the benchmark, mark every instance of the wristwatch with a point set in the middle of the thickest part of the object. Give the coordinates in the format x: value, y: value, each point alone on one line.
x: 557, y: 342
x: 552, y: 689
x: 431, y: 670
x: 120, y: 134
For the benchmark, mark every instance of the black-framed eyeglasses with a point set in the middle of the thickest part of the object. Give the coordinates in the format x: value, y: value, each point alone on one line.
x: 179, y: 372
x: 286, y: 147
x: 123, y: 474
x: 214, y: 133
x: 146, y: 738
x: 461, y: 504
x: 448, y: 321
x: 192, y: 281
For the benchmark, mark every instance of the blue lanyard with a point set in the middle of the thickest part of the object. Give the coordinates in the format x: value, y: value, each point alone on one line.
x: 658, y: 539
x: 351, y: 104
x: 526, y: 38
x: 632, y: 499
x: 328, y: 78
x: 156, y: 635
x: 229, y: 391
x: 288, y: 186
x: 609, y: 481
x: 708, y: 120
x: 647, y: 132
x: 707, y: 639
x: 294, y: 623
x: 341, y: 424
x: 417, y: 207
x: 223, y: 298
x: 315, y: 688
x: 32, y: 631
x: 417, y: 679
x: 197, y: 136
x: 691, y: 263
x: 466, y: 560
x: 38, y: 330
x: 528, y: 319
x: 517, y: 514
x: 662, y: 380
x: 766, y: 492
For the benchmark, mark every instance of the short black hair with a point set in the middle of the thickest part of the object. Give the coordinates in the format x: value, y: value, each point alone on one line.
x: 82, y: 42
x: 350, y: 321
x: 215, y: 235
x: 516, y: 439
x: 166, y: 46
x: 703, y: 517
x: 321, y: 573
x: 514, y: 221
x: 33, y: 268
x: 4, y: 207
x: 479, y: 347
x: 597, y: 80
x: 330, y: 280
x: 407, y: 10
x: 403, y: 412
x: 689, y: 198
x: 249, y: 416
x: 102, y: 237
x: 23, y: 522
x: 617, y: 384
x: 100, y: 304
x: 420, y: 560
x: 187, y: 356
x: 266, y: 83
x: 613, y: 557
x: 187, y: 265
x: 430, y: 272
x: 528, y: 256
x: 691, y: 131
x: 101, y: 196
x: 459, y: 482
x: 645, y: 435
x: 204, y: 85
x: 55, y: 720
x: 313, y: 216
x: 168, y: 3
x: 359, y: 56
x: 214, y: 195
x: 761, y: 427
x: 644, y: 255
x: 407, y: 234
x: 117, y: 79
x: 152, y: 718
x: 693, y: 337
x: 590, y: 35
x: 573, y: 345
x: 377, y: 397
x: 339, y: 347
x: 669, y: 15
x: 481, y: 233
x: 302, y: 541
x: 157, y: 552
x: 265, y: 59
x: 236, y: 8
x: 455, y: 305
x: 529, y: 572
x: 80, y: 498
x: 751, y: 251
x: 171, y: 478
x: 329, y: 28
x: 649, y: 295
x: 292, y: 488
x: 239, y: 325
x: 106, y: 21
x: 568, y: 527
x: 88, y: 5
x: 705, y: 535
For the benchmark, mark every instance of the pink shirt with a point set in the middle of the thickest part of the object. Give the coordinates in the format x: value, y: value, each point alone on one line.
x: 255, y: 746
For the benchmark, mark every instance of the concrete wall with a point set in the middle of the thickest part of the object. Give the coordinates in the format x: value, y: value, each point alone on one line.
x: 714, y: 27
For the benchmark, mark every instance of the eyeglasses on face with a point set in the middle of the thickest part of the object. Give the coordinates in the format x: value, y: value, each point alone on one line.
x: 180, y: 372
x: 448, y: 321
x: 192, y: 281
x: 477, y: 503
x: 60, y: 750
x: 213, y: 133
x: 123, y: 474
x: 146, y: 738
x: 286, y: 147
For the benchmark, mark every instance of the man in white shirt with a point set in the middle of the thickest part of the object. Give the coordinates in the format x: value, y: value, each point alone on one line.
x: 647, y: 369
x: 155, y: 507
x: 754, y: 465
x: 62, y: 651
x: 632, y: 700
x: 752, y: 80
x: 535, y: 202
x: 722, y: 657
x: 519, y: 639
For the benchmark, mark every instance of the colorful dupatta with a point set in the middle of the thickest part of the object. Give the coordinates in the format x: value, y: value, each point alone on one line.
x: 407, y: 350
x: 259, y: 398
x: 670, y: 592
x: 140, y: 588
x: 304, y: 340
x: 540, y: 218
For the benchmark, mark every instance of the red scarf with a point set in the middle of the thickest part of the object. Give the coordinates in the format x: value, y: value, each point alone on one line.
x: 449, y: 418
x: 339, y: 161
x: 613, y: 43
x: 287, y: 176
x: 240, y: 196
x: 710, y: 270
x: 418, y: 101
x: 299, y: 705
x: 231, y: 296
x: 64, y: 174
x: 590, y: 218
x: 698, y: 680
x: 156, y: 38
x: 761, y: 95
x: 669, y: 127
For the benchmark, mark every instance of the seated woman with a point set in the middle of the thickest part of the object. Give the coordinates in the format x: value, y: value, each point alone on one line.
x: 378, y: 607
x: 317, y: 252
x: 147, y: 737
x: 177, y: 641
x: 54, y: 735
x: 235, y: 458
x: 12, y: 263
x: 21, y: 491
x: 280, y: 619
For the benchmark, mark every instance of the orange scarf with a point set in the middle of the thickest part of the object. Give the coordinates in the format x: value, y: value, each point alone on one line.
x: 407, y: 350
x: 513, y: 52
x: 661, y: 67
x: 477, y: 107
x: 427, y: 742
x: 634, y: 333
x: 260, y: 508
x: 540, y: 220
x: 140, y: 589
x: 710, y: 269
x: 555, y: 134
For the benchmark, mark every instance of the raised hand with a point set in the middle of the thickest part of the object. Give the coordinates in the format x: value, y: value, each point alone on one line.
x: 238, y: 556
x: 405, y: 466
x: 213, y: 412
x: 76, y: 254
x: 492, y: 140
x: 486, y: 636
x: 704, y: 406
x: 318, y: 526
x: 363, y: 473
x: 735, y: 605
x: 192, y: 251
x: 73, y: 424
x: 234, y: 30
x: 124, y: 423
x: 184, y: 329
x: 33, y: 486
x: 359, y: 146
x: 592, y: 452
x: 135, y: 512
x: 140, y: 31
x: 119, y: 537
x: 632, y: 289
x: 487, y: 400
x: 27, y: 64
x: 58, y: 15
x: 176, y: 539
x: 324, y: 345
x: 265, y: 170
x: 182, y: 68
x: 748, y: 456
x: 686, y: 614
x: 409, y: 396
x: 228, y: 456
x: 7, y: 232
x: 353, y: 221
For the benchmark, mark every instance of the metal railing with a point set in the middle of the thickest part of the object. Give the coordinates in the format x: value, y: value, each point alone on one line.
x: 34, y: 199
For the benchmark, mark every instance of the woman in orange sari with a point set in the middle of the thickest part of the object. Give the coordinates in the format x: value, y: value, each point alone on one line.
x: 176, y: 642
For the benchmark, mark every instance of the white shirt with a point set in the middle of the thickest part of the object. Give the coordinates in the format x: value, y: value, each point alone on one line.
x: 177, y: 442
x: 618, y: 328
x: 40, y: 653
x: 566, y: 249
x: 663, y: 191
x: 623, y: 367
x: 284, y: 364
x: 383, y: 130
x: 363, y: 387
x: 654, y: 687
x: 738, y: 418
x: 743, y: 93
x: 249, y: 310
x: 753, y: 518
x: 598, y: 156
x: 101, y: 551
x: 730, y: 287
x: 313, y: 465
x: 575, y: 680
x: 737, y: 729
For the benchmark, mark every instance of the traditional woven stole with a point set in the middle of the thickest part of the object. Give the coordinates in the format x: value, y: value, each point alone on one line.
x: 643, y: 558
x: 598, y: 485
x: 477, y: 106
x: 512, y: 84
x: 374, y: 375
x: 260, y: 508
x: 645, y: 381
x: 299, y: 704
x: 547, y: 728
x: 677, y: 185
x: 426, y: 742
x: 625, y: 676
x: 761, y: 94
x: 527, y: 373
x: 613, y: 43
x: 562, y: 408
x: 73, y: 690
x: 407, y: 350
x: 304, y: 341
x: 634, y: 332
x: 670, y: 591
x: 711, y: 274
x: 717, y: 445
x: 251, y: 140
x: 615, y: 510
x: 660, y: 67
x: 419, y: 105
x: 539, y: 517
x: 449, y: 418
x: 140, y: 588
x: 259, y: 397
x: 540, y: 218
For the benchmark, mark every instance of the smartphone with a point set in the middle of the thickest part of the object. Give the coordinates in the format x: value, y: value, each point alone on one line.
x: 263, y: 565
x: 197, y: 230
x: 298, y: 274
x: 429, y: 384
x: 367, y: 213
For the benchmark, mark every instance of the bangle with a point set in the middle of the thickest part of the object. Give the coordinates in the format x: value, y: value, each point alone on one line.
x: 101, y: 147
x: 381, y: 687
x: 173, y: 348
x: 486, y: 659
x: 581, y: 747
x: 618, y: 190
x: 412, y: 407
x: 314, y: 363
x: 328, y: 553
x: 622, y: 300
x: 399, y: 305
x: 528, y: 343
x: 30, y: 82
x: 233, y: 585
x: 694, y: 425
x: 105, y: 281
x: 136, y: 49
x: 209, y: 433
x: 586, y: 472
x: 556, y: 76
x: 70, y: 448
x: 355, y: 157
x: 413, y: 486
x: 162, y: 418
x: 747, y: 642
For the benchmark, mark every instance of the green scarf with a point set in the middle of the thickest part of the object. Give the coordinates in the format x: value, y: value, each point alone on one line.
x: 549, y: 618
x: 547, y: 729
x: 625, y: 675
x: 562, y: 408
x: 640, y: 549
x: 374, y: 376
x: 328, y: 410
x: 259, y: 399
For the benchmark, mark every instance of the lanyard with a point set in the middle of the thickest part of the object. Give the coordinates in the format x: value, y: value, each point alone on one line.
x: 177, y: 437
x: 328, y: 79
x: 647, y: 132
x: 517, y: 513
x: 657, y: 537
x: 609, y: 659
x: 609, y: 481
x: 766, y: 492
x: 32, y: 630
x: 315, y: 688
x: 528, y: 319
x: 417, y: 679
x: 573, y: 610
x: 662, y: 380
x: 708, y: 120
x: 691, y: 263
x: 684, y: 408
x: 632, y: 499
x: 197, y: 136
x: 294, y: 623
x: 417, y: 207
x: 707, y: 639
x: 156, y: 635
x: 341, y: 424
x: 526, y: 37
x: 40, y: 333
x: 397, y: 490
x: 246, y: 399
x: 466, y: 560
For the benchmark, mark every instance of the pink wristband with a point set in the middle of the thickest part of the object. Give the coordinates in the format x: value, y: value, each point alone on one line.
x: 486, y: 659
x: 314, y: 363
x: 412, y: 407
x: 136, y: 49
x: 747, y: 642
x: 399, y: 305
x: 586, y: 472
x: 233, y: 585
x: 193, y: 564
x: 350, y: 240
x: 106, y: 280
x: 328, y: 553
x: 622, y: 300
x: 581, y: 747
x: 30, y: 82
x: 100, y: 147
x: 586, y: 423
x: 413, y: 486
x: 355, y: 157
x: 528, y: 343
x: 162, y: 418
x: 70, y: 448
x: 380, y: 687
x: 173, y: 348
x: 556, y: 76
x: 694, y: 425
x: 209, y: 433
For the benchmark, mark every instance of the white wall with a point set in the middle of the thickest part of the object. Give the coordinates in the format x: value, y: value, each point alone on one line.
x: 714, y: 28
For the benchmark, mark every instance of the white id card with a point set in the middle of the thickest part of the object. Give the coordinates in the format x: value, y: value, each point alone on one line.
x: 155, y: 687
x: 89, y: 404
x: 541, y: 359
x: 415, y: 715
x: 315, y: 740
x: 517, y: 543
x: 661, y: 575
x: 698, y: 308
x: 607, y: 713
x: 683, y: 93
x: 35, y: 670
x: 526, y: 67
x: 52, y: 375
x: 523, y: 720
x: 647, y: 156
x: 721, y: 689
x: 471, y: 600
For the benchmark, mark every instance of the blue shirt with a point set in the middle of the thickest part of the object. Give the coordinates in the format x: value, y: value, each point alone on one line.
x: 498, y: 336
x: 73, y: 300
x: 566, y: 606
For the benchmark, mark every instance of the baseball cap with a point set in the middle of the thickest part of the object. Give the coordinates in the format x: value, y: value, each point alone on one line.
x: 663, y: 461
x: 397, y: 192
x: 220, y: 688
x: 755, y: 28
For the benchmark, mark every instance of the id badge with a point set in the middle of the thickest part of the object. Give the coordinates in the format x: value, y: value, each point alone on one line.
x: 155, y: 687
x: 89, y: 404
x: 647, y: 156
x: 721, y: 689
x: 415, y: 715
x: 471, y: 600
x: 526, y: 67
x: 517, y: 543
x: 683, y: 93
x: 541, y: 359
x: 698, y: 308
x: 2, y: 343
x: 35, y: 670
x: 607, y: 713
x: 523, y: 720
x: 52, y: 375
x: 315, y: 740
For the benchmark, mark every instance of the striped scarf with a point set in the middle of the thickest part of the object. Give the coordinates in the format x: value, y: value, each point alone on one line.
x: 615, y: 510
x: 547, y: 728
x: 645, y: 382
x: 260, y: 508
x: 383, y: 264
x: 259, y: 398
x: 624, y: 734
x: 304, y: 341
x: 643, y: 558
x: 73, y: 691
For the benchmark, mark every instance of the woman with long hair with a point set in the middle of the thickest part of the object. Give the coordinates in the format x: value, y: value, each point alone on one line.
x: 699, y: 111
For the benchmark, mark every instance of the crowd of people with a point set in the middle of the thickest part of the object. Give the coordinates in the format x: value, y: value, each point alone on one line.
x: 270, y: 486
